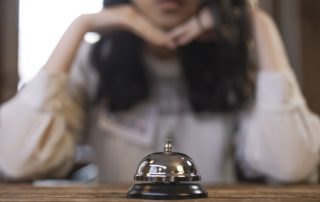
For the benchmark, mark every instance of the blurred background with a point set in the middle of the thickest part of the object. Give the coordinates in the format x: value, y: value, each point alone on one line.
x: 29, y: 29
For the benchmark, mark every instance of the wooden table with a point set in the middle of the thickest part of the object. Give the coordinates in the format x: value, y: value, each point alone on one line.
x: 92, y: 193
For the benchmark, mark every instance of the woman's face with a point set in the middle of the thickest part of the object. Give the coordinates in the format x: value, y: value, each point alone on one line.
x: 167, y: 14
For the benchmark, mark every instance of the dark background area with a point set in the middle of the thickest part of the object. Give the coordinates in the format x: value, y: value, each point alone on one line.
x: 298, y: 22
x: 8, y: 48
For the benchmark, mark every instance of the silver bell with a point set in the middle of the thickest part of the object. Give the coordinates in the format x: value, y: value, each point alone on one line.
x: 167, y: 175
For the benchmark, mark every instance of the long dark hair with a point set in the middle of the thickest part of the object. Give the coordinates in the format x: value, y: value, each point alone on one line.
x: 218, y: 72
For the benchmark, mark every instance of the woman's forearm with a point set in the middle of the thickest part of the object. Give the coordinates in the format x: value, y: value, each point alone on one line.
x: 271, y: 52
x: 66, y: 49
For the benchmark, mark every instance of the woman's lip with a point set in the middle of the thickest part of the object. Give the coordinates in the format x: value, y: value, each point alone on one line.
x: 169, y: 4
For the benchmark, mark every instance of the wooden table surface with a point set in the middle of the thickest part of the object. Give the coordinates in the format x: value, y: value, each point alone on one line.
x: 92, y: 193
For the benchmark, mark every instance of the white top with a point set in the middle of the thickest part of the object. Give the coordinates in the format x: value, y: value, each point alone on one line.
x: 278, y: 137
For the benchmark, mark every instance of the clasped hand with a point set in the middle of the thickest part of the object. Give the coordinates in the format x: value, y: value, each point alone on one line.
x: 128, y: 18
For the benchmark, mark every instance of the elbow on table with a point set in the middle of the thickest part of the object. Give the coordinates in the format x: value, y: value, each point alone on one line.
x: 22, y: 173
x: 19, y: 169
x: 16, y: 170
x: 288, y: 170
x: 295, y: 174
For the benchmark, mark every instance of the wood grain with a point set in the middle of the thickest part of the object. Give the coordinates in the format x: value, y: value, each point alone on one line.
x: 117, y: 193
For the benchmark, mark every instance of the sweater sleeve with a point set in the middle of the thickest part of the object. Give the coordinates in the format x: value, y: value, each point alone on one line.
x: 40, y: 125
x: 279, y: 137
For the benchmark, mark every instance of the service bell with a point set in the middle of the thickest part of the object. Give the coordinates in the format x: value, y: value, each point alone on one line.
x: 167, y: 175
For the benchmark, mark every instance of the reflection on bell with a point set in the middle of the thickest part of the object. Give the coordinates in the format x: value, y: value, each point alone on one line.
x: 167, y: 175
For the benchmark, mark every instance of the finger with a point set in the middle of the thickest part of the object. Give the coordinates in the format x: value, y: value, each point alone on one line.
x: 177, y: 32
x: 187, y: 32
x: 184, y: 39
x: 187, y: 37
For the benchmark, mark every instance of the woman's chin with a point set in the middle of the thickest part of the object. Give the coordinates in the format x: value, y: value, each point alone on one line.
x: 167, y: 25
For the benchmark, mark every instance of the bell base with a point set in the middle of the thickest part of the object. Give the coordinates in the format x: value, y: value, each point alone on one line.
x: 167, y: 191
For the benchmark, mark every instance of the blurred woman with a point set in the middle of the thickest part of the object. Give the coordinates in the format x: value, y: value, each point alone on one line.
x: 210, y: 74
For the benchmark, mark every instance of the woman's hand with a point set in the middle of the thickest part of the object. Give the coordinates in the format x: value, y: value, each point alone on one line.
x: 126, y: 17
x: 193, y: 28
